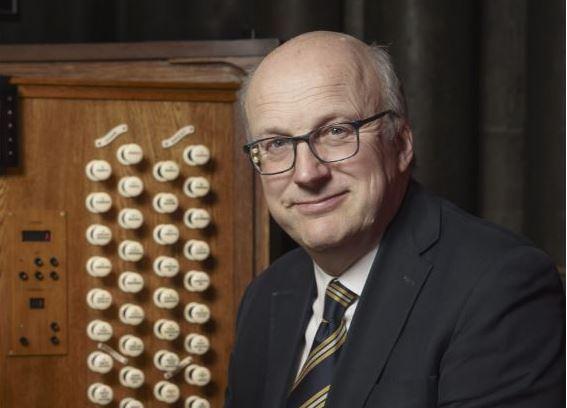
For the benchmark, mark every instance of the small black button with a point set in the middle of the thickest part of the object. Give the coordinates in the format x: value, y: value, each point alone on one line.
x: 55, y: 326
x: 38, y: 261
x: 55, y: 340
x: 54, y: 261
x: 24, y: 341
x: 38, y: 275
x: 54, y: 275
x: 23, y: 276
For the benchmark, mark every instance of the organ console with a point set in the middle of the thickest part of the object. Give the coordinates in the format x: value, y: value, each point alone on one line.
x: 132, y: 226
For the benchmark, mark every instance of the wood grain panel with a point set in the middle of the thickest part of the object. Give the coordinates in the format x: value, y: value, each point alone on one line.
x: 58, y: 136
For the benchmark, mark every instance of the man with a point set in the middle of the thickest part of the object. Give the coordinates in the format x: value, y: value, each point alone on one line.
x: 396, y: 298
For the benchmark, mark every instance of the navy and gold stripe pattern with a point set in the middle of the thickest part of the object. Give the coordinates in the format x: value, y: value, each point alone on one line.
x: 312, y: 385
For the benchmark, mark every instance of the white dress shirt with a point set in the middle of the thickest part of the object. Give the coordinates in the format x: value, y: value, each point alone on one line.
x: 354, y: 278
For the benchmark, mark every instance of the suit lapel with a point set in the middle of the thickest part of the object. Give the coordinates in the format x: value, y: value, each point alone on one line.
x: 395, y: 280
x: 290, y: 310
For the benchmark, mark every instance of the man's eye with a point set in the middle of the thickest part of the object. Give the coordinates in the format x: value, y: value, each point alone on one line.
x: 276, y: 144
x: 336, y: 130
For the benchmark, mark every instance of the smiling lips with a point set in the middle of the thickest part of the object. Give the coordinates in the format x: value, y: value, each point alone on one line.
x: 320, y: 205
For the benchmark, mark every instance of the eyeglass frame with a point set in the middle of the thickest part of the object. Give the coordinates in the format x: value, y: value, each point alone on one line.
x: 356, y: 124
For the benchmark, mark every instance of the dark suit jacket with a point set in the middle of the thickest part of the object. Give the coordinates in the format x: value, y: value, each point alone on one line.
x: 456, y: 312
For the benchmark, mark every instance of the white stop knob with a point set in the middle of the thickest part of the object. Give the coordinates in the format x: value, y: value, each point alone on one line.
x: 196, y: 281
x: 165, y: 203
x: 130, y: 403
x: 130, y: 186
x: 130, y: 153
x: 131, y: 377
x: 166, y: 329
x: 98, y: 202
x: 98, y: 170
x: 131, y: 251
x: 100, y: 394
x: 99, y: 266
x: 166, y: 234
x: 130, y: 218
x: 166, y: 298
x: 197, y: 218
x: 100, y: 362
x: 99, y: 299
x: 166, y: 170
x: 165, y: 391
x: 98, y: 234
x: 166, y: 266
x: 197, y: 313
x: 196, y: 402
x: 195, y: 187
x: 197, y: 375
x: 131, y: 314
x: 196, y: 250
x: 99, y: 330
x: 131, y: 345
x: 196, y: 344
x: 196, y: 155
x: 166, y: 360
x: 130, y: 282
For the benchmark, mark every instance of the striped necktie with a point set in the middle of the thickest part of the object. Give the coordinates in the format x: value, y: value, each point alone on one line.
x: 312, y: 385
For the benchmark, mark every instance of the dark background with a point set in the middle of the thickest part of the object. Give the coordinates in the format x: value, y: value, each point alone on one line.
x: 485, y: 81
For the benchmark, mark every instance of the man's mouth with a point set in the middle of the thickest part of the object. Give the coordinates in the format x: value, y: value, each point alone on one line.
x: 320, y: 205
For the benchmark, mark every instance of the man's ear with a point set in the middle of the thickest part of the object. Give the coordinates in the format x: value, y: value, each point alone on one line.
x: 404, y: 144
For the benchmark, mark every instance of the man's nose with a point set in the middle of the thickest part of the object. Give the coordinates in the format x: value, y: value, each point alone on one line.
x: 309, y: 171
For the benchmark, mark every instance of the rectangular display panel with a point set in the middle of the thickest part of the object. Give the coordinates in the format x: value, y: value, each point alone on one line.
x: 36, y: 236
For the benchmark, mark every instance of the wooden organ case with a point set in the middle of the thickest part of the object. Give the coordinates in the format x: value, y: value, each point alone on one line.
x: 129, y: 223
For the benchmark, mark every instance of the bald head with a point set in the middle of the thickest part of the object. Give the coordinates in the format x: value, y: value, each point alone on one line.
x: 325, y: 59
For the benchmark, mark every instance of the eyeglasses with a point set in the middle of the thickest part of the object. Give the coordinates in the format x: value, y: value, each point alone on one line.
x: 329, y: 144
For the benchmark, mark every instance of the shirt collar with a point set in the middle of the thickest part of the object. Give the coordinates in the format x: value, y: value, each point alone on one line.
x: 354, y: 278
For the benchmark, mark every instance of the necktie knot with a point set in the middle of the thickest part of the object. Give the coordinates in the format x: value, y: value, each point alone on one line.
x: 337, y: 300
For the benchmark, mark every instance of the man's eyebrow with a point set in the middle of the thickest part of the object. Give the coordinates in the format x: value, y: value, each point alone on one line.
x: 328, y: 119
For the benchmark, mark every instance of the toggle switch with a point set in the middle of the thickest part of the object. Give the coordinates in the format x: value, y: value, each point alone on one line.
x: 196, y: 218
x: 130, y: 218
x: 38, y: 262
x: 99, y: 299
x: 98, y: 266
x: 167, y: 392
x: 197, y: 375
x: 166, y: 298
x: 99, y: 362
x: 98, y: 170
x: 130, y: 186
x: 130, y: 153
x: 130, y: 345
x: 100, y: 394
x: 196, y: 281
x: 166, y: 170
x: 166, y: 360
x: 98, y: 202
x: 166, y: 266
x: 54, y: 326
x: 131, y: 377
x: 196, y: 155
x: 54, y: 275
x: 99, y: 330
x: 165, y: 203
x: 196, y: 250
x: 196, y: 402
x: 196, y: 344
x: 130, y: 282
x: 131, y: 314
x: 166, y: 234
x: 54, y: 262
x: 131, y: 251
x: 196, y: 187
x: 38, y: 275
x: 166, y: 329
x: 197, y: 313
x: 23, y: 276
x: 98, y: 234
